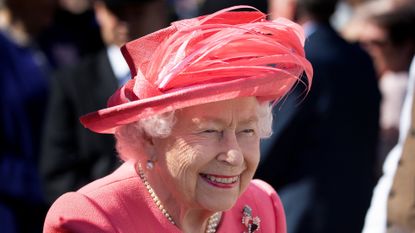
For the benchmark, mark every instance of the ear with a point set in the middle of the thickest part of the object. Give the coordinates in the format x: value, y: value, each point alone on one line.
x: 149, y: 146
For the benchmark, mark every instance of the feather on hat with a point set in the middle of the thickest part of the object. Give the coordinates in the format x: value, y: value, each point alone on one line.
x: 221, y: 56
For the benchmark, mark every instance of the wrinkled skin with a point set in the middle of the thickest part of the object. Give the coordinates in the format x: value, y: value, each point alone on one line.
x: 218, y: 139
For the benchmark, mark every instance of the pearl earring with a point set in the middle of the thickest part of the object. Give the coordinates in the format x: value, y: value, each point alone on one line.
x: 150, y: 164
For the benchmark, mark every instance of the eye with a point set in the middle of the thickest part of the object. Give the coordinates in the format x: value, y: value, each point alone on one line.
x: 248, y: 131
x: 210, y: 131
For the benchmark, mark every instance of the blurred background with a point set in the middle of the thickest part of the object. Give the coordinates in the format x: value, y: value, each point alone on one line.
x: 60, y: 59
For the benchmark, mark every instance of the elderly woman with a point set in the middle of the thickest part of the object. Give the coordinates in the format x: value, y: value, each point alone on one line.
x: 188, y: 126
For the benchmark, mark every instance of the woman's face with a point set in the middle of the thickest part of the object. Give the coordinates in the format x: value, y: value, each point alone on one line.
x: 386, y: 55
x: 132, y: 20
x: 211, y: 155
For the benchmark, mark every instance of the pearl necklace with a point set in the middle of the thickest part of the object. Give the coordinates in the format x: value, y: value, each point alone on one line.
x: 213, y: 221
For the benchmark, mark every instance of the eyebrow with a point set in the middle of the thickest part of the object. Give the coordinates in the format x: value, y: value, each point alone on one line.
x: 249, y: 120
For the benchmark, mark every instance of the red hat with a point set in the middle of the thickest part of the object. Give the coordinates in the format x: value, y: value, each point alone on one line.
x: 221, y: 56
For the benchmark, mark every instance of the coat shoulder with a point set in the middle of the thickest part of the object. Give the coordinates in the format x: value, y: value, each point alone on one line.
x: 75, y: 212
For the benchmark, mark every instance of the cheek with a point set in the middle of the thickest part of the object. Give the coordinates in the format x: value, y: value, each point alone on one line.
x: 251, y: 155
x: 250, y: 149
x: 178, y: 159
x: 176, y: 170
x: 184, y: 160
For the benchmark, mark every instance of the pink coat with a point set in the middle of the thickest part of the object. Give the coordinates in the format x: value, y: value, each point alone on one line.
x: 120, y: 203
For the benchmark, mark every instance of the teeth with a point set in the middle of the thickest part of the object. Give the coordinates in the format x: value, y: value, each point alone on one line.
x: 222, y: 180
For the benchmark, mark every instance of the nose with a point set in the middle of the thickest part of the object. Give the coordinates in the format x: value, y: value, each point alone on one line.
x: 231, y: 152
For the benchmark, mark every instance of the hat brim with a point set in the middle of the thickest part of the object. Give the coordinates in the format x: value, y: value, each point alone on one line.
x: 268, y: 87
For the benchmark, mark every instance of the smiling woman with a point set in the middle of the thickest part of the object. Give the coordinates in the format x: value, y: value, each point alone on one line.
x: 188, y: 124
x: 209, y: 158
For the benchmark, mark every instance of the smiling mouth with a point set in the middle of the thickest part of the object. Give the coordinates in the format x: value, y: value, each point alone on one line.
x: 221, y: 181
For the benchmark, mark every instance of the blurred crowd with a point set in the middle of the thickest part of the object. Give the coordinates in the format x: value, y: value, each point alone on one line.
x: 60, y: 59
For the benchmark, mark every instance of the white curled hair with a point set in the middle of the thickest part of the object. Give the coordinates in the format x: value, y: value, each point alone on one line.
x: 129, y: 138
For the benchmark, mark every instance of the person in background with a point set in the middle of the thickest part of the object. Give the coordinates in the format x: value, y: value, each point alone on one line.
x: 23, y: 94
x: 188, y: 126
x: 345, y: 11
x: 185, y: 9
x: 73, y: 35
x: 392, y: 208
x: 390, y: 42
x: 210, y: 6
x: 71, y: 155
x: 321, y: 157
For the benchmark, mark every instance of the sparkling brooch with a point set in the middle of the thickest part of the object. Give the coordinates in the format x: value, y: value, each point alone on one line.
x: 251, y: 223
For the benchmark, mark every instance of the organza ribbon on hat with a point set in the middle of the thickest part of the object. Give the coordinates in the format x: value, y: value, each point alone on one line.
x: 223, y: 46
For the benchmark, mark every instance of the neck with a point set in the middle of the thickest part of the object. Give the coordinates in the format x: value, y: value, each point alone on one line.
x: 187, y: 219
x: 198, y: 221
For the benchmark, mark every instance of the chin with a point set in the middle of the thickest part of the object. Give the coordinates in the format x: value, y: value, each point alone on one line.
x: 219, y: 202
